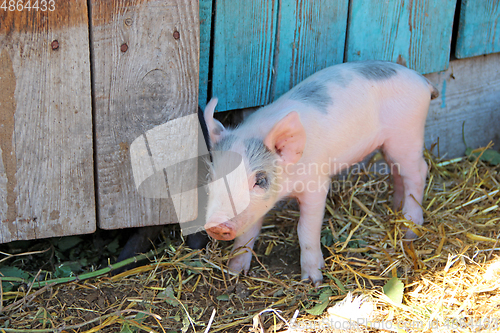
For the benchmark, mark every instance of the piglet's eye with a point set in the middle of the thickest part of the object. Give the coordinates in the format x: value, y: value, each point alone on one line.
x: 261, y: 180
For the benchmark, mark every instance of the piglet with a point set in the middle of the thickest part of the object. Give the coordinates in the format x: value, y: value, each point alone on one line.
x: 293, y: 146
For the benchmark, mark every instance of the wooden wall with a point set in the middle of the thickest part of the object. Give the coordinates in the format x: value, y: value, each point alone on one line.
x: 469, y: 99
x: 478, y: 28
x: 145, y: 74
x: 250, y: 70
x: 81, y: 83
x: 414, y: 33
x: 46, y: 167
x: 261, y: 49
x: 68, y: 96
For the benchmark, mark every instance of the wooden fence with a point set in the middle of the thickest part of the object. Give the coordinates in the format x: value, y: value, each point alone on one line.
x: 263, y: 48
x: 77, y: 85
x: 81, y: 80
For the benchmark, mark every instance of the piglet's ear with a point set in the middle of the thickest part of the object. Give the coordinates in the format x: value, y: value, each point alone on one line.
x: 215, y: 128
x: 287, y: 138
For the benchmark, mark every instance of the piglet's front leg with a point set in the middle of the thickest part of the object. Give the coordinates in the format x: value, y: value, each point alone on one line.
x: 312, y: 211
x: 242, y: 244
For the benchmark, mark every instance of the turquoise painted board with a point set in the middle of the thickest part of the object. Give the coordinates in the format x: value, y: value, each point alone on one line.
x: 416, y: 33
x: 311, y: 36
x: 244, y: 39
x: 205, y: 27
x: 478, y: 28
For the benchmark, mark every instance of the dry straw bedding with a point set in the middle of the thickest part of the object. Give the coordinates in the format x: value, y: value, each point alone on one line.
x: 450, y: 273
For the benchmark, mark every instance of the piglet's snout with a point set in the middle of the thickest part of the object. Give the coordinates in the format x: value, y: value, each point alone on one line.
x: 220, y: 230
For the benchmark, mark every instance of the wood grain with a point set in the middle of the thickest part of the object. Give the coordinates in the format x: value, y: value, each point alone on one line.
x: 469, y: 96
x: 311, y: 36
x: 414, y: 33
x: 479, y: 28
x: 46, y: 171
x: 148, y: 82
x: 244, y: 41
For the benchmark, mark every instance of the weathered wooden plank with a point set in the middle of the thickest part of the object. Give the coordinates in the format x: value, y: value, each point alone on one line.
x: 243, y: 52
x: 145, y: 74
x: 311, y: 36
x: 478, y: 28
x: 470, y: 95
x: 414, y: 33
x: 205, y: 38
x: 46, y: 167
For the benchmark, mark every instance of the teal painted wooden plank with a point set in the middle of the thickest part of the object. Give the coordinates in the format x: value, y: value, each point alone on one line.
x: 415, y: 33
x: 479, y: 28
x: 243, y: 52
x: 205, y: 28
x: 311, y: 36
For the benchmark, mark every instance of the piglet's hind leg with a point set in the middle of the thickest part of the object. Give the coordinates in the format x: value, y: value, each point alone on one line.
x: 407, y: 158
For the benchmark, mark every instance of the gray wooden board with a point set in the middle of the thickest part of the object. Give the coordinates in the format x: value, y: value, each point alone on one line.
x: 46, y: 166
x: 151, y: 81
x: 470, y: 94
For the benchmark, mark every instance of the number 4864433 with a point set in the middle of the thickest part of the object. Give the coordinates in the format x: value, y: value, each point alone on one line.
x: 21, y: 5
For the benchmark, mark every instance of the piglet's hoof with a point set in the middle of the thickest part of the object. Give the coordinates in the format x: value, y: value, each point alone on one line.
x: 314, y: 281
x: 410, y: 235
x: 313, y: 273
x: 240, y: 263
